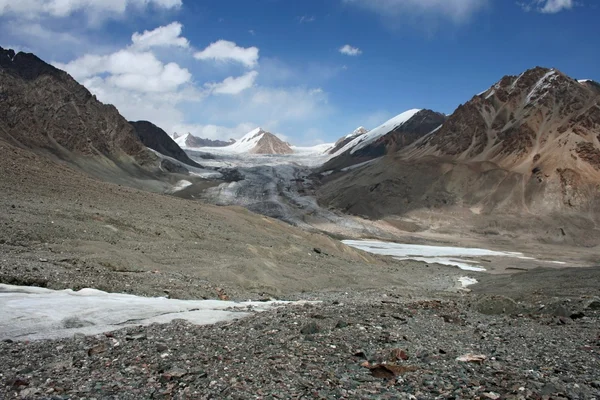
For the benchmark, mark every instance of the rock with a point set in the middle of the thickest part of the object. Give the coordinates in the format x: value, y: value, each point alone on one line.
x: 491, y: 395
x: 497, y: 305
x: 311, y: 329
x: 98, y: 349
x: 577, y: 315
x: 161, y: 347
x: 593, y: 304
x: 317, y: 250
x: 341, y: 324
x: 140, y: 336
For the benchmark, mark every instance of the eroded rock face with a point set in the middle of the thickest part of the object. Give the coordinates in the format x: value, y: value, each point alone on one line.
x: 271, y: 144
x: 44, y: 107
x: 541, y: 113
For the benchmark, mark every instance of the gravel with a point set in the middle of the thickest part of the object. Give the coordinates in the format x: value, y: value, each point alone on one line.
x: 377, y: 347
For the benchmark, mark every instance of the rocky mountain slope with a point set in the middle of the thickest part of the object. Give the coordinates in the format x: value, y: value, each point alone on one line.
x: 190, y: 141
x: 45, y: 110
x: 528, y: 145
x: 388, y: 138
x: 43, y: 107
x: 344, y: 140
x: 155, y: 138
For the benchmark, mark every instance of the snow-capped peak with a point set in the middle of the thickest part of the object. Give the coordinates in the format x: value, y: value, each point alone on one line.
x: 361, y: 130
x: 369, y: 137
x: 181, y: 140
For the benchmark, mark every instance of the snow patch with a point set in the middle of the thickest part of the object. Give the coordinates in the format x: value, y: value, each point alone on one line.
x: 466, y: 281
x: 30, y: 313
x: 541, y: 85
x: 182, y: 184
x: 362, y: 164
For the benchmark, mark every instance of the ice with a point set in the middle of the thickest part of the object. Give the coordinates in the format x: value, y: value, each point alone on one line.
x: 29, y: 313
x: 430, y: 254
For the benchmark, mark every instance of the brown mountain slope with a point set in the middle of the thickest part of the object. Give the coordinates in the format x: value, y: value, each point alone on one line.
x: 527, y: 146
x: 44, y: 109
x: 271, y: 144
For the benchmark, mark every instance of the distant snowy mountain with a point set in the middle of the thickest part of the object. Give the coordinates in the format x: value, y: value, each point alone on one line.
x: 189, y: 141
x: 369, y: 137
x: 257, y: 141
x: 395, y: 134
x: 343, y: 141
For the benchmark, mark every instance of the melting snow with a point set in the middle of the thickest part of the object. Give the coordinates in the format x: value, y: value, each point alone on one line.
x: 28, y: 313
x: 430, y: 254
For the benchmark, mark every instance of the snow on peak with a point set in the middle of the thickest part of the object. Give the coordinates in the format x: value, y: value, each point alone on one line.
x: 369, y: 137
x: 181, y: 140
x: 361, y: 130
x: 544, y: 83
x: 584, y: 80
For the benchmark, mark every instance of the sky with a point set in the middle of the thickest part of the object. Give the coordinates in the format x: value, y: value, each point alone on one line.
x: 310, y: 71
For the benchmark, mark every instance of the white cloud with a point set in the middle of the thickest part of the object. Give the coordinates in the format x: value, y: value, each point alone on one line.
x: 547, y: 6
x: 306, y: 19
x: 224, y: 50
x: 455, y: 10
x: 130, y: 69
x: 350, y: 51
x: 232, y: 85
x: 93, y: 8
x: 164, y: 36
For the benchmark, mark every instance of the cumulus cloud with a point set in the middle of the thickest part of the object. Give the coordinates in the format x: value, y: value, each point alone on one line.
x: 64, y: 8
x: 547, y: 6
x: 350, y: 51
x: 455, y: 10
x: 225, y: 51
x: 233, y: 85
x: 130, y: 69
x: 163, y: 36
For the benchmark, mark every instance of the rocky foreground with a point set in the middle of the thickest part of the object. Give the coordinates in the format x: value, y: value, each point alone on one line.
x: 353, y: 346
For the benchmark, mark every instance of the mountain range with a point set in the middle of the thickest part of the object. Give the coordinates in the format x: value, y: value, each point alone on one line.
x: 528, y: 144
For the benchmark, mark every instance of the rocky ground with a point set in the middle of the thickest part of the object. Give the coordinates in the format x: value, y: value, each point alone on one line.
x: 384, y: 329
x: 378, y: 346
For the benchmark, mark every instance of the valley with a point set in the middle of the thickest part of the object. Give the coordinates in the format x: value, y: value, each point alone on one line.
x: 433, y: 256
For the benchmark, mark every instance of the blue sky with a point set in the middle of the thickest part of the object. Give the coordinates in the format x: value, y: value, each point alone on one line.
x: 308, y: 70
